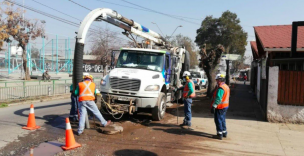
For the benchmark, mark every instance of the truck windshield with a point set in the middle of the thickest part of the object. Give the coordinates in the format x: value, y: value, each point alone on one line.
x: 141, y: 60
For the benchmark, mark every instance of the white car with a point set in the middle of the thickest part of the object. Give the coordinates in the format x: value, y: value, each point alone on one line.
x: 199, y: 79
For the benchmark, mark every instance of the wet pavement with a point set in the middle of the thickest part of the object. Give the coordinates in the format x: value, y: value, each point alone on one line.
x: 143, y: 137
x: 140, y: 136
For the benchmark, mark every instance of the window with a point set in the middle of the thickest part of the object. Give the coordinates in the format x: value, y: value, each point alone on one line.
x: 141, y: 60
x: 167, y: 62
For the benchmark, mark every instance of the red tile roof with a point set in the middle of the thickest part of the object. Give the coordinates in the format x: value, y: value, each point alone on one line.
x: 278, y: 36
x: 254, y: 49
x: 254, y: 46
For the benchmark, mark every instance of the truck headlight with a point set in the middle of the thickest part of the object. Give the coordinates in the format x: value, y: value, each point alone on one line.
x: 152, y: 88
x: 103, y: 82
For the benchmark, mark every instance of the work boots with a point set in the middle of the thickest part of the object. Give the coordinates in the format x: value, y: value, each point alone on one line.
x: 220, y: 136
x: 225, y: 134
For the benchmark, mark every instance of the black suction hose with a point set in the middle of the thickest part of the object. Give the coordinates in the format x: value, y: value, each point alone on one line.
x: 78, y: 63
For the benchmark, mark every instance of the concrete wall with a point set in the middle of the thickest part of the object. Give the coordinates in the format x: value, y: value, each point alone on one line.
x: 280, y: 113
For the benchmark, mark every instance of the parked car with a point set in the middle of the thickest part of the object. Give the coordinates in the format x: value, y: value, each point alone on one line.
x: 199, y: 79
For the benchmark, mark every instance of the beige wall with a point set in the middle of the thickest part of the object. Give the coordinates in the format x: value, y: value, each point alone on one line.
x: 280, y: 113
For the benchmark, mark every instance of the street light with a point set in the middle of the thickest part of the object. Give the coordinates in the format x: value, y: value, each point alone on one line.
x: 158, y: 28
x: 175, y: 30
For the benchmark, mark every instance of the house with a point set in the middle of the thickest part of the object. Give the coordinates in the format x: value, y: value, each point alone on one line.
x: 277, y: 77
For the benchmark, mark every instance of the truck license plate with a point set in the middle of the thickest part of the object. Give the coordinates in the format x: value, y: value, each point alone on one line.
x: 123, y: 99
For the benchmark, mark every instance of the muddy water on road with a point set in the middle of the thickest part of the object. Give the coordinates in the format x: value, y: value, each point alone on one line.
x: 144, y: 137
x: 141, y: 136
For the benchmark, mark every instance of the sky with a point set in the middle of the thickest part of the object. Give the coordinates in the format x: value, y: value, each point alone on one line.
x: 250, y: 12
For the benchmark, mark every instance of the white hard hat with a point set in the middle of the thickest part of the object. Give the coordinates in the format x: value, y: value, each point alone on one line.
x: 186, y: 73
x: 219, y: 76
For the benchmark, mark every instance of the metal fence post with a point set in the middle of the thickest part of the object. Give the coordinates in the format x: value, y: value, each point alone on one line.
x: 23, y: 88
x: 49, y: 90
x: 66, y: 89
x: 53, y: 87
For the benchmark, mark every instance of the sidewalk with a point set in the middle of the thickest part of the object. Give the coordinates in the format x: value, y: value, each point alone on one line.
x: 248, y: 134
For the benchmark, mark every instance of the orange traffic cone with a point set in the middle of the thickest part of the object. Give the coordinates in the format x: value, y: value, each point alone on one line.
x: 31, y: 123
x: 32, y: 152
x: 70, y: 142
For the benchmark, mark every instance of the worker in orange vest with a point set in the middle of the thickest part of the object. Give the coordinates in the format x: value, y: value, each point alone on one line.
x: 86, y: 91
x: 188, y: 94
x: 219, y: 106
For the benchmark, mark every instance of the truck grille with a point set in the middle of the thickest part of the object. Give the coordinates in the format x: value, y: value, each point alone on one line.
x: 125, y: 84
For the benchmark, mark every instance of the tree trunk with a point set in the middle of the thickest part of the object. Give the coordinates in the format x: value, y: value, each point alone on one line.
x: 227, y: 72
x: 209, y: 63
x: 227, y: 66
x: 26, y: 69
x: 210, y: 73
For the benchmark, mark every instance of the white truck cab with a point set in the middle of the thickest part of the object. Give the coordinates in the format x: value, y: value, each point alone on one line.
x: 141, y: 79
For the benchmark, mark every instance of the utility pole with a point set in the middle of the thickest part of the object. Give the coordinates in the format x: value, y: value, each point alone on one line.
x: 158, y: 28
x: 175, y: 30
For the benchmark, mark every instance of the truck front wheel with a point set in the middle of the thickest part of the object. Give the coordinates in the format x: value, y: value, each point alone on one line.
x: 158, y: 112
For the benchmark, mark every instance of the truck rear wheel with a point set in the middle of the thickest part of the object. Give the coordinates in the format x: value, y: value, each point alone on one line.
x: 158, y: 112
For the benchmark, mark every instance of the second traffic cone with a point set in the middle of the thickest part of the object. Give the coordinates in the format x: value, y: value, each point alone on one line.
x: 31, y: 123
x: 70, y: 142
x: 32, y: 152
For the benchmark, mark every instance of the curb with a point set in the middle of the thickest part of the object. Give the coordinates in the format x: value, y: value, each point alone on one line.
x: 40, y: 100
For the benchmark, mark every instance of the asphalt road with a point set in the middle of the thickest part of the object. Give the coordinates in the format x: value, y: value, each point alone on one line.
x: 13, y: 118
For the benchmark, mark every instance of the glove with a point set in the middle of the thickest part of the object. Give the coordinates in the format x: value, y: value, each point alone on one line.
x: 212, y: 110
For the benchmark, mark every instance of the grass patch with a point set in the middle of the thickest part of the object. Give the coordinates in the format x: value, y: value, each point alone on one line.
x: 3, y: 105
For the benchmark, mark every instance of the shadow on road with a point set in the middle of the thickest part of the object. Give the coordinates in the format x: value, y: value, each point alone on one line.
x: 52, y: 120
x: 179, y: 131
x: 20, y: 111
x: 126, y: 152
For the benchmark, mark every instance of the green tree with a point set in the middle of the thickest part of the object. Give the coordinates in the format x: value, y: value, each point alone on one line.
x: 14, y: 26
x: 225, y: 30
x: 180, y: 40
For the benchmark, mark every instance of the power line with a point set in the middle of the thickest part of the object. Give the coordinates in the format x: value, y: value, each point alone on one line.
x: 161, y: 13
x: 56, y: 10
x: 54, y: 17
x: 150, y: 10
x: 45, y: 14
x: 80, y: 5
x: 61, y: 12
x: 145, y: 9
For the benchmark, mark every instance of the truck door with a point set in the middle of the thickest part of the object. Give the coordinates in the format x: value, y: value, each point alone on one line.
x: 168, y: 68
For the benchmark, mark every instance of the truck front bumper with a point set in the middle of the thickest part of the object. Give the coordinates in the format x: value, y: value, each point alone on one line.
x: 140, y: 102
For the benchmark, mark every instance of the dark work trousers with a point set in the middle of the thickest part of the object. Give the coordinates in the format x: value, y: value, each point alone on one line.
x: 220, y: 120
x: 187, y: 111
x: 74, y: 106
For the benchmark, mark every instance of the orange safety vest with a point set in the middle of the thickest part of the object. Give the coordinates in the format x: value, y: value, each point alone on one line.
x: 225, y: 99
x: 186, y: 89
x: 86, y: 91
